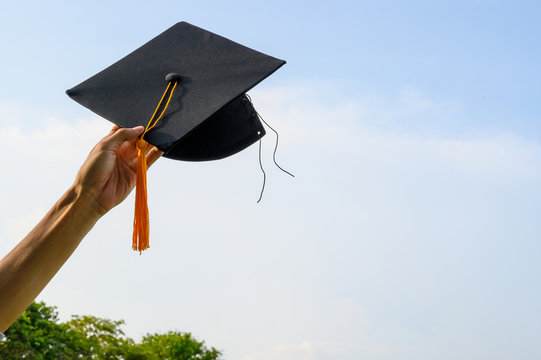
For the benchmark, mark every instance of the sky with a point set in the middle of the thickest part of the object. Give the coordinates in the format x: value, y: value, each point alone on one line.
x: 411, y: 229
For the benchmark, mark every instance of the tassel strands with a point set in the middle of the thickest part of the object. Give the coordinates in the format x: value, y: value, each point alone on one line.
x: 141, y: 223
x: 141, y: 226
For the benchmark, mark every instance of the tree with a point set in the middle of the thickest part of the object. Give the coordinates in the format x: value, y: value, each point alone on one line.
x: 103, y: 338
x: 178, y: 346
x: 38, y: 335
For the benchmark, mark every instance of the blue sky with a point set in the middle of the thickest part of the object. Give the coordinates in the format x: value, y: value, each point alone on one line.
x: 410, y: 232
x: 482, y: 53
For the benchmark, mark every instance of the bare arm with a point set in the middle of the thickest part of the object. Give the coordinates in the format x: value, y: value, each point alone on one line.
x: 105, y: 179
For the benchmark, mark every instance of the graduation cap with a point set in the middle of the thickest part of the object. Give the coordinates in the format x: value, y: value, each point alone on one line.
x: 188, y: 87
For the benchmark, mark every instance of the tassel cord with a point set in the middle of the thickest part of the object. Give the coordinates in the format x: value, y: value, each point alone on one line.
x: 141, y: 222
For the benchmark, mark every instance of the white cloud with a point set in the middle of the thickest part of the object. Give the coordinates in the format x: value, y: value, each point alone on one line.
x: 302, y: 351
x: 57, y: 143
x: 398, y: 130
x: 373, y: 245
x: 39, y: 163
x: 16, y: 227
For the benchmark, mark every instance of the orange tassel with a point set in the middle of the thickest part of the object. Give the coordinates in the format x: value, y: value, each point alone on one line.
x: 141, y: 225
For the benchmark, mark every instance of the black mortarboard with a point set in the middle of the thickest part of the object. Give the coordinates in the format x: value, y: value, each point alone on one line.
x: 209, y: 116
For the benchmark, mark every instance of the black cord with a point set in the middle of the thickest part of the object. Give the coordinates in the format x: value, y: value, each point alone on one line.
x: 273, y: 154
x: 275, y: 146
x: 264, y: 174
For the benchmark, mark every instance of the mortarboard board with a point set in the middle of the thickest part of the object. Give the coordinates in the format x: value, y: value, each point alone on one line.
x: 207, y: 116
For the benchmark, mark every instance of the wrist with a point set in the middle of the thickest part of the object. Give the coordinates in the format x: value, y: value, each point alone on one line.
x: 84, y: 202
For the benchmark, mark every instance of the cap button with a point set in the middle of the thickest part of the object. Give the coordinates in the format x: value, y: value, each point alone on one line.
x: 172, y: 77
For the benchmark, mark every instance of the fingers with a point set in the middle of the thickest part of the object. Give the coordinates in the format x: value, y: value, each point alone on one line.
x: 114, y: 129
x: 110, y: 133
x: 119, y: 135
x: 153, y: 155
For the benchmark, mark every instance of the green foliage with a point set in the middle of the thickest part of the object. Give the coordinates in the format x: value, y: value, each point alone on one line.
x: 175, y: 345
x: 104, y: 339
x: 38, y: 335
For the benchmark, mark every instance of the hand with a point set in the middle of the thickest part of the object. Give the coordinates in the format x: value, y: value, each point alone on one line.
x: 108, y: 175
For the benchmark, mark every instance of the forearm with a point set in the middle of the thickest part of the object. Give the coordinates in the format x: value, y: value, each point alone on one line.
x: 27, y: 269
